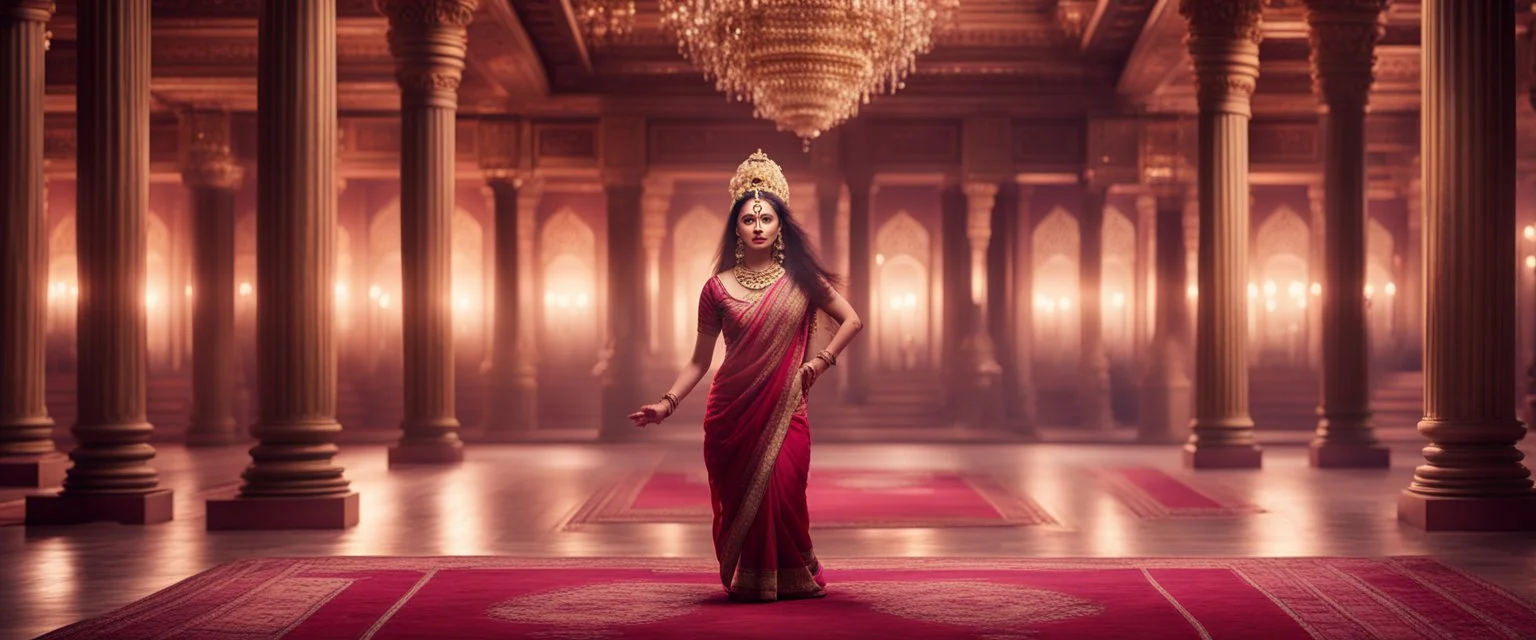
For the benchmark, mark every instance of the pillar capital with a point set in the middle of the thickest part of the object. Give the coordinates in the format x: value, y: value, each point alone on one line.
x: 26, y: 10
x: 206, y: 160
x: 1343, y: 35
x: 428, y: 39
x: 1223, y: 41
x: 499, y: 146
x: 980, y: 198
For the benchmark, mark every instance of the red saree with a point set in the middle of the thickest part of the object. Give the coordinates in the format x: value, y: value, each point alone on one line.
x: 757, y: 444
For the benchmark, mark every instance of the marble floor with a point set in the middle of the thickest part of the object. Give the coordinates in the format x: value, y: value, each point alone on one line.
x: 513, y: 500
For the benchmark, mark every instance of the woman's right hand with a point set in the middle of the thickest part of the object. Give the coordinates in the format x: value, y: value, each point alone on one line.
x: 650, y: 414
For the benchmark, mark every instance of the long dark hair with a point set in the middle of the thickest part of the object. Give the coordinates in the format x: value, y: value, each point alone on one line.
x: 800, y: 259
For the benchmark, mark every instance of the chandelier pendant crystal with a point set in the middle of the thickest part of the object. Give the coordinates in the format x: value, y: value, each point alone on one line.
x: 805, y: 65
x: 606, y: 22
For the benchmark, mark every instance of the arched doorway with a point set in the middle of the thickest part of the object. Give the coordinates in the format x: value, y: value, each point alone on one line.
x: 157, y: 291
x: 1380, y: 288
x: 469, y: 290
x: 1117, y: 285
x: 1055, y: 248
x: 695, y: 241
x: 902, y: 305
x: 1279, y: 291
x: 568, y: 254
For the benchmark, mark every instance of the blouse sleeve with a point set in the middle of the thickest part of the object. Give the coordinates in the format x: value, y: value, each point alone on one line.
x: 709, y: 310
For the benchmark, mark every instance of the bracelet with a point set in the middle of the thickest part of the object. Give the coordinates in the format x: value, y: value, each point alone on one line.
x: 672, y: 401
x: 828, y: 357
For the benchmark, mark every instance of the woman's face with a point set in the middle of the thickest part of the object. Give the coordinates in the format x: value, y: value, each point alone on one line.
x: 758, y: 224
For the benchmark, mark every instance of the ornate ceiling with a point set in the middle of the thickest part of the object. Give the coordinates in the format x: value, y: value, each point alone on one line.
x: 1048, y: 58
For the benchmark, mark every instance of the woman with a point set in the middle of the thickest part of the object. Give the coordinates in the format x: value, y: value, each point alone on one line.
x: 757, y: 446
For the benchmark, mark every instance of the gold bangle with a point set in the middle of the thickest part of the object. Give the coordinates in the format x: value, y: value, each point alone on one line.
x: 827, y: 356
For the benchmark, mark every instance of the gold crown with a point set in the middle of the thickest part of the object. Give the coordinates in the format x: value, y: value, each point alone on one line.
x: 758, y: 173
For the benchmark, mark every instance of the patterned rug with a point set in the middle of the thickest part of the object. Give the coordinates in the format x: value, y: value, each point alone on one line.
x: 1279, y: 599
x: 1150, y: 493
x: 838, y: 499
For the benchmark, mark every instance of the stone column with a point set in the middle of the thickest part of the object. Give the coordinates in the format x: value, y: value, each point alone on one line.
x: 1317, y: 272
x: 828, y: 193
x: 1164, y: 411
x: 514, y: 384
x: 27, y: 455
x: 1343, y: 35
x: 653, y: 230
x: 111, y: 478
x: 212, y: 177
x: 624, y: 384
x: 1024, y: 314
x: 428, y: 39
x: 1473, y: 478
x: 293, y: 481
x: 985, y: 407
x: 1412, y: 290
x: 1093, y: 388
x: 860, y: 364
x: 1145, y: 270
x: 1224, y: 45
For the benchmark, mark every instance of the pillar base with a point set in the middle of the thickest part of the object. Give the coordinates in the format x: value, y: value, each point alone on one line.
x: 1349, y: 456
x: 1216, y: 456
x: 426, y: 453
x: 35, y: 472
x: 250, y: 514
x: 154, y: 507
x: 1436, y: 513
x: 214, y: 438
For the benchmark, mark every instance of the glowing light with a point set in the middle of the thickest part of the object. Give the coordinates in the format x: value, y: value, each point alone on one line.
x: 245, y: 288
x: 383, y: 301
x: 151, y: 298
x: 374, y: 292
x: 1530, y: 232
x: 1192, y: 291
x: 1317, y: 288
x: 1530, y: 262
x: 55, y: 290
x: 463, y: 303
x: 74, y: 291
x: 1064, y: 303
x: 187, y: 290
x: 1253, y: 290
x: 1370, y: 290
x: 1391, y: 288
x: 1296, y: 289
x: 1301, y: 302
x: 582, y: 300
x: 341, y: 289
x: 1118, y: 299
x: 1045, y: 303
x: 1269, y: 288
x: 879, y: 259
x: 1269, y: 305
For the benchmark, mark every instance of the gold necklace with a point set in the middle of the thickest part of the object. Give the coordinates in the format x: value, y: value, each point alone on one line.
x: 756, y: 281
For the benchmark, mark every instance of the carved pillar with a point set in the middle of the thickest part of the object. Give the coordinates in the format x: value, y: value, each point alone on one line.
x: 27, y: 455
x: 1473, y: 478
x: 212, y: 177
x: 828, y: 193
x: 293, y: 481
x: 985, y: 407
x: 1317, y: 271
x: 428, y: 39
x: 628, y: 322
x: 1025, y: 421
x: 1093, y: 400
x: 1343, y: 37
x: 1224, y: 44
x: 1164, y: 410
x: 653, y: 230
x: 1145, y: 269
x: 111, y: 478
x: 514, y: 386
x: 860, y: 295
x: 1412, y: 291
x: 529, y: 301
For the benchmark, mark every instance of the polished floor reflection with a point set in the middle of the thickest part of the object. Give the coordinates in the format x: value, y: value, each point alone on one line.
x: 514, y: 500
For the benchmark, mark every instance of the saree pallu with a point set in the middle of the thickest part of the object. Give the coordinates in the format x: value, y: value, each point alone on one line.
x: 757, y: 445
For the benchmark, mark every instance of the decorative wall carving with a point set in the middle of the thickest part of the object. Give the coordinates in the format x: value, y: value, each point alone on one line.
x: 904, y: 235
x: 566, y: 234
x: 566, y: 144
x: 914, y: 142
x: 1283, y: 232
x: 1274, y: 142
x: 1037, y: 142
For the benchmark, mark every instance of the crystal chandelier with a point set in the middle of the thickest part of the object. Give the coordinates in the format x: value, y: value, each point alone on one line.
x: 806, y: 65
x: 606, y: 21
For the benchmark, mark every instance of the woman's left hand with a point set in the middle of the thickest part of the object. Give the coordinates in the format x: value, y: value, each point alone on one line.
x: 810, y: 372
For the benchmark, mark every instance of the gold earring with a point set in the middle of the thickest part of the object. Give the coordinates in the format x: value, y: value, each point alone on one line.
x: 778, y: 245
x: 741, y: 249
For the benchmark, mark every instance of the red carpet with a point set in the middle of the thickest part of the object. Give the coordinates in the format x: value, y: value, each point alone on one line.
x: 1151, y: 493
x: 349, y: 597
x: 838, y: 498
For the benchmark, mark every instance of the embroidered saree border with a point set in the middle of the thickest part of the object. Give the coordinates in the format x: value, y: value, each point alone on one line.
x: 790, y: 317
